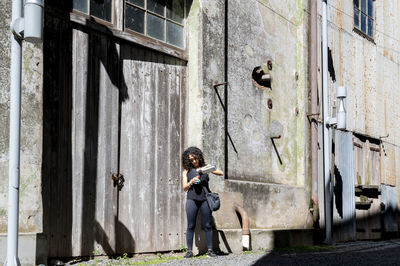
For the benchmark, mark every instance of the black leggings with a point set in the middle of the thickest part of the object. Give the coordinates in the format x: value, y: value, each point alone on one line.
x: 192, y: 208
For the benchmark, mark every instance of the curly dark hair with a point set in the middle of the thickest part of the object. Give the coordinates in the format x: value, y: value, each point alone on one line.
x: 197, y: 153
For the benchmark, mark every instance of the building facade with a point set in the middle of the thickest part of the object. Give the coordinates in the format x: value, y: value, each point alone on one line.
x: 118, y: 89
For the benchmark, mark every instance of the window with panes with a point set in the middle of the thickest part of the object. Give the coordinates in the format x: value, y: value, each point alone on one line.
x: 364, y: 16
x: 99, y: 8
x: 159, y: 19
x: 162, y: 20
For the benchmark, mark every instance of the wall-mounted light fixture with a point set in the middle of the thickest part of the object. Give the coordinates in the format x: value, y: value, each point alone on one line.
x: 341, y: 111
x: 340, y: 120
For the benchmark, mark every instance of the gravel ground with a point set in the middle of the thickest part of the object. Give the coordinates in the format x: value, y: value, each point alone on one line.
x: 351, y: 253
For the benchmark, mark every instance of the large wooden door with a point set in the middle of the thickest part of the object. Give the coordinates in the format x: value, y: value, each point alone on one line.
x: 150, y: 203
x: 109, y: 108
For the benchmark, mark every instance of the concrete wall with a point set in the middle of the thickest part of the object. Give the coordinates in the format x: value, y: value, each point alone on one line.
x: 275, y: 195
x: 30, y: 219
x: 370, y: 71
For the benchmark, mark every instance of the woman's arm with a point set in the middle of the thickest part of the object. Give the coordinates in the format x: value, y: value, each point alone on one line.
x: 185, y: 184
x: 218, y: 172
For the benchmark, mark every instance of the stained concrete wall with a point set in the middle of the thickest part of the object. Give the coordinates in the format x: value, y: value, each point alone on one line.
x: 370, y: 71
x: 30, y: 218
x: 276, y: 195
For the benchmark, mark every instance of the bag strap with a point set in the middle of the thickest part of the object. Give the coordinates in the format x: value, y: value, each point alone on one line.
x: 205, y: 191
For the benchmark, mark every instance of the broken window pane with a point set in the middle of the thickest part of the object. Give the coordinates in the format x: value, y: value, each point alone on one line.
x: 175, y: 10
x: 134, y: 18
x: 80, y: 5
x: 174, y: 34
x: 156, y: 6
x: 137, y: 2
x: 101, y: 9
x: 155, y: 27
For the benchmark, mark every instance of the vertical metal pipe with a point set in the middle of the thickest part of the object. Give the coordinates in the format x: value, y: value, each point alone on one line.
x: 314, y: 106
x: 226, y: 150
x: 14, y: 160
x: 327, y: 138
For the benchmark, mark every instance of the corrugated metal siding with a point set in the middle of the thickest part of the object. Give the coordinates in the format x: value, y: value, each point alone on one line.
x: 89, y: 80
x: 389, y: 214
x: 344, y: 202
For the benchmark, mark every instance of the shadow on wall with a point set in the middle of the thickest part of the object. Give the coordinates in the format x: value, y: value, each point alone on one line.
x: 60, y: 195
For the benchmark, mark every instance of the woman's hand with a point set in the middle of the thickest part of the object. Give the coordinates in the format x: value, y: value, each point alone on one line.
x: 185, y: 184
x: 195, y: 180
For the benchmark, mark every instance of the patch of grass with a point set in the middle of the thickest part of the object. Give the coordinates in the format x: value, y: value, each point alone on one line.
x: 182, y: 248
x: 124, y: 259
x: 157, y: 260
x: 304, y: 249
x: 96, y: 253
x: 247, y: 252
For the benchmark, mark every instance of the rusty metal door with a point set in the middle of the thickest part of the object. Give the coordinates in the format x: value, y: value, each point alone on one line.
x: 151, y: 200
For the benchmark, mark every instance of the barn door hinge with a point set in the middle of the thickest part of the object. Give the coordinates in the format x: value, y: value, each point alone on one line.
x: 118, y: 180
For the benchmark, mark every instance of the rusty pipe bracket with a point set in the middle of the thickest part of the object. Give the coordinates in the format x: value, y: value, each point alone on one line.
x: 223, y: 108
x: 275, y: 148
x: 245, y: 218
x: 384, y: 137
x: 118, y: 180
x: 383, y: 146
x: 313, y: 119
x: 220, y: 84
x: 276, y: 137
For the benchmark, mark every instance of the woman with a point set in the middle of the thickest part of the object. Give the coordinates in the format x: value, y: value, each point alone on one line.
x: 193, y: 182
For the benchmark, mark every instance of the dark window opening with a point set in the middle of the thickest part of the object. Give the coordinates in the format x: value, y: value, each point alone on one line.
x: 97, y: 8
x: 364, y: 17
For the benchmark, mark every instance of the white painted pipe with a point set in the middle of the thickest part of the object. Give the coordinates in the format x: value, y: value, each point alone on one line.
x: 326, y: 131
x: 246, y: 242
x: 14, y: 154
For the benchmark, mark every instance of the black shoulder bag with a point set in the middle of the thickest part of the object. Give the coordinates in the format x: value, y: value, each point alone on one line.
x: 212, y: 200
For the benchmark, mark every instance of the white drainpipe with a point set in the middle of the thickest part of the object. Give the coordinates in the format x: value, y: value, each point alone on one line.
x: 326, y: 125
x: 15, y: 118
x: 33, y: 30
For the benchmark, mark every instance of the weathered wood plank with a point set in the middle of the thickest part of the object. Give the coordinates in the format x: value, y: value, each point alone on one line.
x: 57, y: 161
x: 162, y: 77
x: 80, y: 61
x: 174, y: 186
